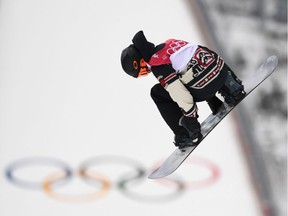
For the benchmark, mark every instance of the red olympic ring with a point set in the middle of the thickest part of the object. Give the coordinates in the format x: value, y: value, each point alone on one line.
x: 88, y: 171
x: 211, y: 178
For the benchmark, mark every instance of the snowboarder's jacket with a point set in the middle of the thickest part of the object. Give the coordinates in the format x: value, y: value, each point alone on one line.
x: 189, y: 72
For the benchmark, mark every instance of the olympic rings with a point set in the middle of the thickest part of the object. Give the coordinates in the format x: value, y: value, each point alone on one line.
x: 132, y: 183
x: 175, y: 46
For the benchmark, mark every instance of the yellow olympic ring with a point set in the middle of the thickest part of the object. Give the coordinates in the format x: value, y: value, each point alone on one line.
x: 103, y: 190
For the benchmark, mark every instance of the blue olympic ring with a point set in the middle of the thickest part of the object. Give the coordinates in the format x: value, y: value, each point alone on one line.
x: 28, y: 162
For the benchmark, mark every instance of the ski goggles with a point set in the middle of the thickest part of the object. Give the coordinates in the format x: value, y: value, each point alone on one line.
x: 144, y: 69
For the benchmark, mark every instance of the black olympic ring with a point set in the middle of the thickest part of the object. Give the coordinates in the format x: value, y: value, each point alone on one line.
x: 128, y: 183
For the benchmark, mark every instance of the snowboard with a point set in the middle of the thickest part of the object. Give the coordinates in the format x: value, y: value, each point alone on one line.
x: 179, y: 155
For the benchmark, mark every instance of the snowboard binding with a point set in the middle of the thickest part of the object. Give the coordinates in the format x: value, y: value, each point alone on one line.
x: 194, y: 135
x: 233, y: 90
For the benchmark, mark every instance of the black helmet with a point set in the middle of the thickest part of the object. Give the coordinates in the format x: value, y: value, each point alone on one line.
x: 133, y: 63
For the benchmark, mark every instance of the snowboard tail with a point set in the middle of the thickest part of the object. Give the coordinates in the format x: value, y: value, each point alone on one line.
x: 179, y: 155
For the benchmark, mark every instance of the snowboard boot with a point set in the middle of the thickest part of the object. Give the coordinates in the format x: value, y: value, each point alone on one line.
x: 194, y: 135
x: 182, y: 141
x: 233, y: 90
x: 214, y: 103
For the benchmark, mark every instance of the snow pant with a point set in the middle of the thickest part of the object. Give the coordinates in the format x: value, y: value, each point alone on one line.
x: 169, y: 110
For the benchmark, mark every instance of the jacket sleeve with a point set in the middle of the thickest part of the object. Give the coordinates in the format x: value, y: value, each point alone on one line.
x: 180, y: 94
x: 177, y: 91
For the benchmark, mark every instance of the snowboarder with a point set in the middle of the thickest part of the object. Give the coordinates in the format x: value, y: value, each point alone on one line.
x: 187, y: 73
